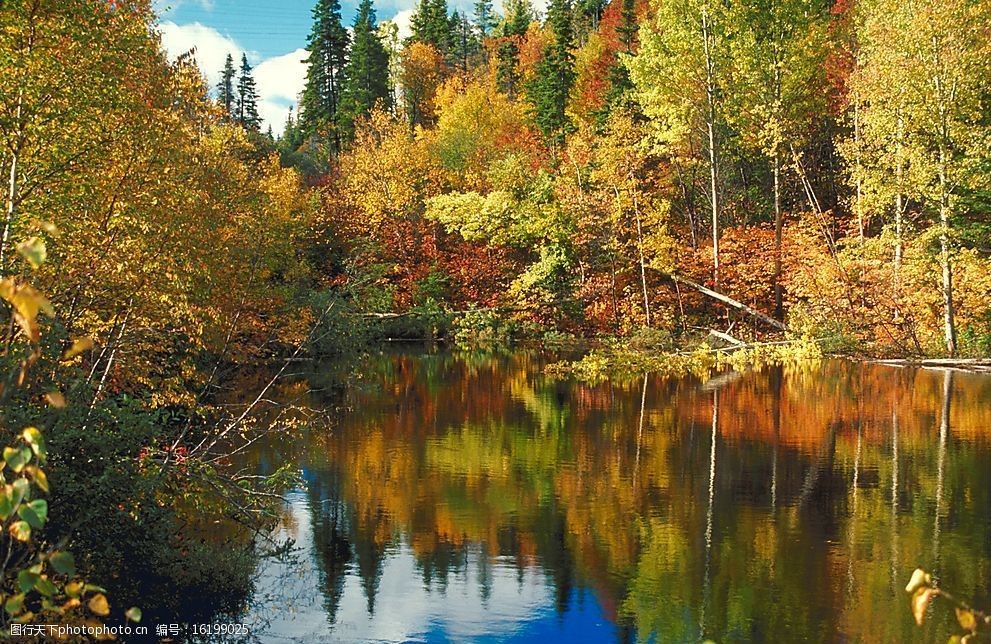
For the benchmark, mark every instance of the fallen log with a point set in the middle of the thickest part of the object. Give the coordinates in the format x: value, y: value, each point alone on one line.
x: 727, y: 338
x: 973, y: 365
x: 725, y: 299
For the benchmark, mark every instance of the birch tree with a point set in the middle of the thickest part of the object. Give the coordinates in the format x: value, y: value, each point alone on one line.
x: 678, y: 76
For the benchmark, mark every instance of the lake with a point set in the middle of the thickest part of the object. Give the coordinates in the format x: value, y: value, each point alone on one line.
x: 459, y: 497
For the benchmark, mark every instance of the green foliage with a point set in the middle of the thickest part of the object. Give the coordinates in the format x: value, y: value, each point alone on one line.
x: 483, y: 330
x: 550, y: 87
x: 431, y: 25
x: 325, y: 73
x: 620, y: 360
x: 366, y: 75
x: 225, y: 89
x: 246, y: 105
x: 650, y: 339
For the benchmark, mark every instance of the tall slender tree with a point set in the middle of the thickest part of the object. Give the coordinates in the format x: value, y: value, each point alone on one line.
x: 367, y: 72
x: 922, y: 77
x: 484, y: 18
x: 518, y: 16
x: 326, y: 72
x: 247, y: 98
x: 679, y: 76
x: 225, y: 88
x: 466, y: 43
x: 619, y: 74
x: 549, y: 90
x: 779, y: 88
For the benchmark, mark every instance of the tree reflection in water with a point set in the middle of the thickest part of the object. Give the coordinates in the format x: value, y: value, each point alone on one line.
x: 465, y: 496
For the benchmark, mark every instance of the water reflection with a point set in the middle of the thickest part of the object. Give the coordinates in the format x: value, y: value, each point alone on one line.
x: 472, y: 498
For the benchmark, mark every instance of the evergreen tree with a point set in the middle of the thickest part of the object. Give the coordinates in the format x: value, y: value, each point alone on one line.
x: 628, y: 27
x: 430, y: 25
x: 225, y: 88
x: 367, y: 71
x: 484, y: 18
x: 292, y: 136
x: 591, y: 11
x: 247, y: 98
x: 519, y: 15
x: 549, y: 90
x: 466, y: 44
x: 326, y: 73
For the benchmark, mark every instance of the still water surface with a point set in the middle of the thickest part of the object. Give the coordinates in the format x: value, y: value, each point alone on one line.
x: 465, y: 498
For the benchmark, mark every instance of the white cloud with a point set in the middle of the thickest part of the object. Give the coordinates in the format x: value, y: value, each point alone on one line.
x: 211, y: 46
x: 402, y: 22
x: 279, y: 79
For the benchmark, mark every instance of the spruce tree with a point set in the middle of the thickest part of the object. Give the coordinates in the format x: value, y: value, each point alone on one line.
x: 367, y: 70
x: 431, y: 25
x: 549, y: 90
x: 326, y: 72
x: 247, y: 98
x: 225, y: 88
x: 466, y: 44
x: 292, y: 136
x: 519, y: 14
x: 484, y: 19
x: 628, y: 27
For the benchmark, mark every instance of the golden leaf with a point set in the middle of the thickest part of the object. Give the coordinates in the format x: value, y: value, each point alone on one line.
x: 34, y: 251
x: 79, y: 345
x: 55, y: 399
x: 920, y: 602
x: 919, y: 579
x: 967, y: 619
x: 27, y: 303
x: 99, y: 605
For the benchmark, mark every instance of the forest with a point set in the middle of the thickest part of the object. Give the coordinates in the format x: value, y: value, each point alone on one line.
x: 634, y: 172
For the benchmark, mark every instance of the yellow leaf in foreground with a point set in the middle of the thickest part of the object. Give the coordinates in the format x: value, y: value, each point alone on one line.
x: 27, y: 303
x: 99, y: 605
x: 920, y: 602
x: 79, y: 345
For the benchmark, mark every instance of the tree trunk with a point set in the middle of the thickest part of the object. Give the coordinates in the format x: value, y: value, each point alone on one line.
x: 949, y: 326
x: 899, y: 201
x: 778, y: 224
x: 643, y: 263
x: 725, y: 299
x: 12, y: 186
x: 710, y: 91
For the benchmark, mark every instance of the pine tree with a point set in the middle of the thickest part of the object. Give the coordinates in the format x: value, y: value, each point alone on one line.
x: 484, y: 18
x: 326, y: 73
x: 519, y: 15
x: 292, y: 136
x: 466, y: 44
x: 430, y: 25
x: 548, y: 91
x: 247, y: 98
x: 225, y: 88
x: 367, y: 71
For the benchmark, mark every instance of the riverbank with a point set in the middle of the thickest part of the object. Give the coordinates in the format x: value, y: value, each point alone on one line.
x: 615, y: 358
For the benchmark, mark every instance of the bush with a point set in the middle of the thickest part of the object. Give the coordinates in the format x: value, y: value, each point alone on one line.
x: 485, y: 330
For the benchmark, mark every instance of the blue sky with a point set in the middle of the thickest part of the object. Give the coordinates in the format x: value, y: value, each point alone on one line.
x: 272, y: 34
x: 267, y: 28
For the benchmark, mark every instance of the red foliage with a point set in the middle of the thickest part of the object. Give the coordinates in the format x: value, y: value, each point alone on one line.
x: 841, y: 57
